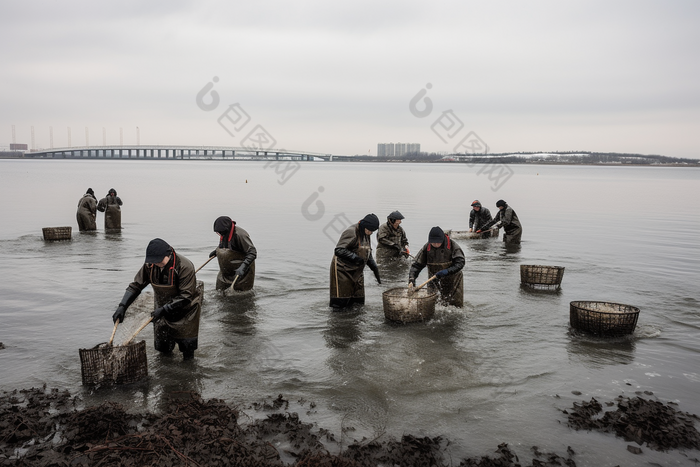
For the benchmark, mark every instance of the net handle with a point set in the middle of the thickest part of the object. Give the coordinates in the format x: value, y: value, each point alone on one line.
x: 116, y: 323
x: 423, y: 284
x: 138, y: 330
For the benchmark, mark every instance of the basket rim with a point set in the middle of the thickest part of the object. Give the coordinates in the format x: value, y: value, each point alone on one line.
x: 541, y: 266
x: 130, y: 344
x: 428, y: 293
x: 633, y: 309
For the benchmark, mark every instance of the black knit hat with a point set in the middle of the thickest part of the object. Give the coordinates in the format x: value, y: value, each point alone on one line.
x: 395, y: 215
x: 500, y: 203
x: 370, y: 222
x: 156, y: 250
x: 112, y: 190
x: 436, y: 235
x: 222, y: 225
x: 90, y: 192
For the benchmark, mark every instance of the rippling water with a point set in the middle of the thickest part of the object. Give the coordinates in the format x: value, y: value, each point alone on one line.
x: 495, y: 371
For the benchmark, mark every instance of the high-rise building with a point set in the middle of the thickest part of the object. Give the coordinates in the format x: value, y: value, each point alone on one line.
x: 397, y: 149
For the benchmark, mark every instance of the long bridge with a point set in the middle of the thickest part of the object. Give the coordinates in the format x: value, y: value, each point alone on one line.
x: 148, y: 152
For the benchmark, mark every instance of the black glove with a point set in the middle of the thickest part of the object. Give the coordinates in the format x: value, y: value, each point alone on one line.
x: 212, y: 254
x: 242, y: 270
x: 442, y: 273
x: 119, y: 314
x: 159, y: 312
x: 412, y: 281
x: 127, y: 299
x: 173, y: 311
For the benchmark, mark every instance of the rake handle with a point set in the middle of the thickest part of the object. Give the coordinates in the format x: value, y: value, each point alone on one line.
x: 138, y: 331
x: 423, y: 284
x: 230, y: 289
x: 204, y: 264
x: 116, y: 323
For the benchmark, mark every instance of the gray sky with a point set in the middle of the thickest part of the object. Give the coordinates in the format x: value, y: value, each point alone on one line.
x: 337, y: 78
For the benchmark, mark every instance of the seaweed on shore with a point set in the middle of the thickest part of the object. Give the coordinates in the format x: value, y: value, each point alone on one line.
x: 659, y: 425
x: 45, y: 428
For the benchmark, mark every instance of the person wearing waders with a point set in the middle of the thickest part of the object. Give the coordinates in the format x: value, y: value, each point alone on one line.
x: 178, y: 303
x: 352, y: 253
x: 508, y: 219
x: 87, y: 211
x: 391, y: 238
x: 113, y: 213
x: 236, y: 255
x: 445, y: 259
x: 478, y: 217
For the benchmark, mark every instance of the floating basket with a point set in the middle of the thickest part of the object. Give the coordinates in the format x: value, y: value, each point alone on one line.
x: 122, y: 364
x: 541, y: 277
x: 401, y: 306
x: 603, y: 318
x: 56, y: 233
x: 467, y: 235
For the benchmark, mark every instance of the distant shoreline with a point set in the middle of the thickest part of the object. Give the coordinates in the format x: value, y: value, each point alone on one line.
x: 491, y: 160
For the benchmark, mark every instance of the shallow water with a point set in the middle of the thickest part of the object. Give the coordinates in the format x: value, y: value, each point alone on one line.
x: 495, y: 371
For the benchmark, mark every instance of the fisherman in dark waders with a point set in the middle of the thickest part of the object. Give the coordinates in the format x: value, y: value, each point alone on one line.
x: 113, y: 213
x: 178, y: 302
x: 508, y: 219
x: 391, y: 238
x: 352, y: 253
x: 236, y: 255
x: 445, y: 259
x: 479, y: 217
x: 87, y: 211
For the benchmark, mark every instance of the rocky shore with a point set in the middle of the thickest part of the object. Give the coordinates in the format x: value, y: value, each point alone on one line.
x: 49, y: 427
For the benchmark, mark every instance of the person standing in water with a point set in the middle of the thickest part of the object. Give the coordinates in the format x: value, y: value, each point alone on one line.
x: 352, y: 252
x: 236, y: 255
x: 110, y: 205
x: 87, y: 211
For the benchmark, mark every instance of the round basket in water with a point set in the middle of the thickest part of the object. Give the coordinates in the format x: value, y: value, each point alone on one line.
x: 467, y: 235
x: 541, y: 277
x: 119, y: 364
x: 405, y: 307
x: 603, y: 318
x: 57, y: 233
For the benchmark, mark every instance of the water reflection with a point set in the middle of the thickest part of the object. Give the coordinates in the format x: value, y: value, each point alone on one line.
x: 597, y: 352
x: 343, y: 327
x: 393, y: 269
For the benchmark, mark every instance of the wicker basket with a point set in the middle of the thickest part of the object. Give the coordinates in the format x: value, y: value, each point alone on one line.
x: 122, y: 364
x: 405, y: 308
x: 541, y: 277
x: 57, y: 233
x: 603, y: 318
x: 467, y: 235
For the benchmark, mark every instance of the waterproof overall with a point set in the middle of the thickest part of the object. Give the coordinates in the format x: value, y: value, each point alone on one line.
x: 347, y: 278
x: 390, y: 241
x: 229, y: 261
x: 449, y: 255
x: 113, y: 213
x: 87, y: 212
x: 185, y: 331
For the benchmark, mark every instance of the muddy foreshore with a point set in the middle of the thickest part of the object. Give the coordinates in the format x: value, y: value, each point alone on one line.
x: 49, y: 427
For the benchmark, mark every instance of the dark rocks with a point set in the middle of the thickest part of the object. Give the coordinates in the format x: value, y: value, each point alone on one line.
x: 640, y: 420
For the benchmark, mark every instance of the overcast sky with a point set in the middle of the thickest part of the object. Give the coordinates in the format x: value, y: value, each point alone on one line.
x: 331, y: 77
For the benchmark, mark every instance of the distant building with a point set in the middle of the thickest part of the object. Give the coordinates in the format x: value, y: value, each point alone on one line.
x: 397, y: 149
x: 18, y: 147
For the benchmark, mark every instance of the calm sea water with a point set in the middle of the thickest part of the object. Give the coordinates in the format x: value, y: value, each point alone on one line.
x: 495, y: 371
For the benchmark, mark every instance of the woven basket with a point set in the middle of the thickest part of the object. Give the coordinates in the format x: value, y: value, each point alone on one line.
x: 467, y: 235
x: 120, y: 364
x: 541, y: 277
x: 405, y: 308
x: 57, y: 233
x: 603, y: 318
